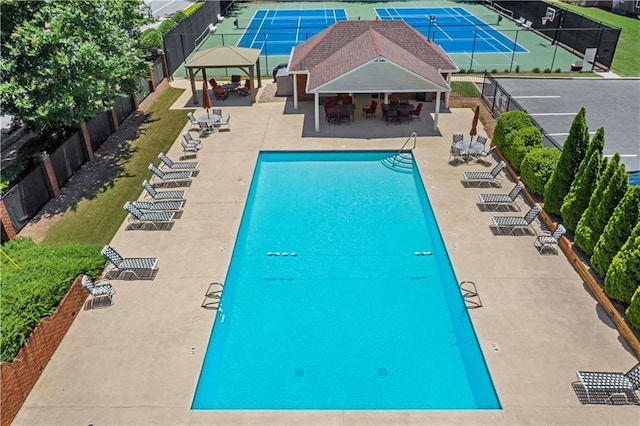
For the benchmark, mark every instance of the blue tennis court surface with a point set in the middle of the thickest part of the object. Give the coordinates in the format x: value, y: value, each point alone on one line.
x: 453, y: 28
x: 280, y: 30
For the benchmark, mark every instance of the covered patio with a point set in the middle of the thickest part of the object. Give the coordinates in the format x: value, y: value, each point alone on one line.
x: 247, y: 60
x: 385, y: 59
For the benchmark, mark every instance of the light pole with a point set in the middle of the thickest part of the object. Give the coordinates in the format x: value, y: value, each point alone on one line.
x: 432, y: 21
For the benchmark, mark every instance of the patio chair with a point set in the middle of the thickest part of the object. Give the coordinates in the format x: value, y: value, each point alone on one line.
x: 458, y: 137
x: 189, y: 150
x: 331, y: 113
x: 193, y: 121
x: 482, y: 178
x: 182, y: 165
x: 169, y: 176
x: 190, y: 139
x: 246, y: 89
x: 225, y: 122
x: 220, y: 93
x: 370, y: 110
x: 392, y: 115
x: 235, y: 79
x: 213, y: 83
x: 163, y: 195
x: 610, y: 384
x: 205, y: 128
x: 98, y: 290
x: 495, y: 201
x: 404, y: 114
x: 155, y: 218
x: 159, y: 205
x: 550, y: 239
x: 347, y: 99
x: 457, y: 154
x: 514, y: 223
x: 137, y: 266
x: 344, y: 115
x: 416, y: 112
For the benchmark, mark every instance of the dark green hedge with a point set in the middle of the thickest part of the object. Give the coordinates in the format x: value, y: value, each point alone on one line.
x: 507, y: 123
x: 520, y: 142
x: 537, y: 166
x: 167, y: 25
x: 34, y: 289
x: 151, y: 41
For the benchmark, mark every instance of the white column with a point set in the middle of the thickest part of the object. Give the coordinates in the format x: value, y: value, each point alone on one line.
x: 316, y: 110
x: 295, y: 92
x: 386, y: 98
x: 435, y: 118
x: 446, y: 100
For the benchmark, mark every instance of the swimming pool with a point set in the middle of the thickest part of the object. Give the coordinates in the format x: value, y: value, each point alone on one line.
x: 340, y: 295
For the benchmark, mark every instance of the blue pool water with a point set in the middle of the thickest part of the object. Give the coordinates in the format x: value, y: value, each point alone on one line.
x: 634, y: 178
x: 355, y: 319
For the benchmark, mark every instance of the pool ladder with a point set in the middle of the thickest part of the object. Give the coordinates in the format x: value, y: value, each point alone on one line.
x: 470, y: 295
x: 401, y: 155
x: 402, y: 161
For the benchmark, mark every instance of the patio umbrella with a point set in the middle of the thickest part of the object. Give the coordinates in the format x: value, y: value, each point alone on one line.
x: 206, y: 99
x: 474, y: 123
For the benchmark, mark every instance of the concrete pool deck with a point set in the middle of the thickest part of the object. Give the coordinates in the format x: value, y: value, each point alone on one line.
x: 138, y: 361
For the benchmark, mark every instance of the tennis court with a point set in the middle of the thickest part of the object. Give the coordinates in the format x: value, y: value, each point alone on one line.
x: 453, y: 28
x: 276, y: 31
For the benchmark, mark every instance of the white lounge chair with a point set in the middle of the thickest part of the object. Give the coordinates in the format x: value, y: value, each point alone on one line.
x: 139, y: 267
x: 98, y: 290
x: 514, y: 223
x: 169, y: 176
x: 495, y: 201
x: 550, y: 239
x: 610, y: 384
x: 482, y: 178
x: 159, y: 206
x: 163, y: 195
x: 181, y: 165
x: 156, y: 219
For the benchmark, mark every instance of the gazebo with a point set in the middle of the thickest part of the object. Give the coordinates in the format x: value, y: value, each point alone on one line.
x: 370, y: 57
x: 248, y: 60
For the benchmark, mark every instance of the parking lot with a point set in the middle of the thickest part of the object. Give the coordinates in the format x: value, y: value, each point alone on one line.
x: 609, y: 103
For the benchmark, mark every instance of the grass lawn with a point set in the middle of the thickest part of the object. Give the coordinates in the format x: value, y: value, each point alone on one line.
x: 626, y: 61
x: 96, y: 220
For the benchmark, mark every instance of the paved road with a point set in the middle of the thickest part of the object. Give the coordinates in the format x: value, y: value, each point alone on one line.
x: 610, y: 103
x: 165, y: 8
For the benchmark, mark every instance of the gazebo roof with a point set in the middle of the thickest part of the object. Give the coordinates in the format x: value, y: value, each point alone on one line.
x: 224, y: 56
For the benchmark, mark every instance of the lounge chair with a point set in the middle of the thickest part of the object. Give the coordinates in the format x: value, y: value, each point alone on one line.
x: 550, y: 239
x: 154, y: 218
x: 98, y: 290
x: 193, y: 121
x: 163, y: 195
x: 183, y: 165
x: 495, y: 201
x: 513, y: 223
x: 169, y: 176
x: 139, y: 267
x: 610, y: 384
x: 159, y: 206
x: 482, y: 178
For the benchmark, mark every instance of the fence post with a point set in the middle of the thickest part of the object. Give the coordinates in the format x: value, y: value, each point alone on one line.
x: 49, y: 174
x: 153, y: 81
x: 113, y: 118
x: 6, y: 221
x: 86, y: 142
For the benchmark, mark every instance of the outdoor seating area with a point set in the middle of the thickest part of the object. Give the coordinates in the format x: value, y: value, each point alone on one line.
x: 339, y: 112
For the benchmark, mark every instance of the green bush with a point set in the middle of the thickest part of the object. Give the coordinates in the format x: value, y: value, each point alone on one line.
x: 167, y: 25
x: 151, y: 41
x: 633, y: 311
x: 558, y: 70
x: 520, y: 142
x: 537, y: 166
x: 617, y: 231
x: 507, y: 123
x: 517, y: 68
x: 548, y: 70
x: 583, y: 229
x: 536, y: 70
x: 621, y: 281
x: 573, y: 151
x: 577, y: 200
x: 178, y: 16
x: 33, y: 290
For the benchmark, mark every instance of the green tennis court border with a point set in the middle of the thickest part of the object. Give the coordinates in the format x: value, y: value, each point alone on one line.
x: 541, y: 54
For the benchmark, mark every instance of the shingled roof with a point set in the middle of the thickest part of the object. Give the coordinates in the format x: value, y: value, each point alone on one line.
x: 347, y: 45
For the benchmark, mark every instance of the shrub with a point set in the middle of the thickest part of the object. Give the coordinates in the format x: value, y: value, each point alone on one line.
x: 178, y: 16
x: 151, y: 41
x: 547, y: 70
x: 167, y: 25
x: 494, y: 71
x: 520, y: 142
x: 536, y: 70
x: 611, y: 196
x: 32, y: 291
x: 517, y: 68
x: 577, y: 200
x: 573, y: 151
x: 537, y: 166
x: 583, y: 229
x: 617, y: 231
x: 558, y: 70
x: 633, y: 311
x: 621, y: 281
x: 507, y: 123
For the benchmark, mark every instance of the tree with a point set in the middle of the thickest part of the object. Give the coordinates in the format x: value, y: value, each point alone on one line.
x: 617, y: 230
x: 622, y: 277
x: 610, y: 198
x: 584, y: 227
x: 577, y: 200
x: 66, y: 61
x: 573, y: 151
x: 633, y: 311
x: 596, y: 144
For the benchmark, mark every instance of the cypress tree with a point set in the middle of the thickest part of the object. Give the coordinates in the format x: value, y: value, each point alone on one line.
x: 610, y: 198
x: 573, y: 151
x: 623, y: 276
x: 596, y: 144
x: 584, y: 227
x: 577, y: 200
x: 617, y: 231
x: 633, y: 311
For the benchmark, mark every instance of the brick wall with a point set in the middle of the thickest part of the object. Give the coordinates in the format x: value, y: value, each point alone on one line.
x: 20, y: 375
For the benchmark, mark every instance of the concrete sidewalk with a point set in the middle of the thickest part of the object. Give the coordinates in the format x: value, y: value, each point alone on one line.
x: 138, y: 361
